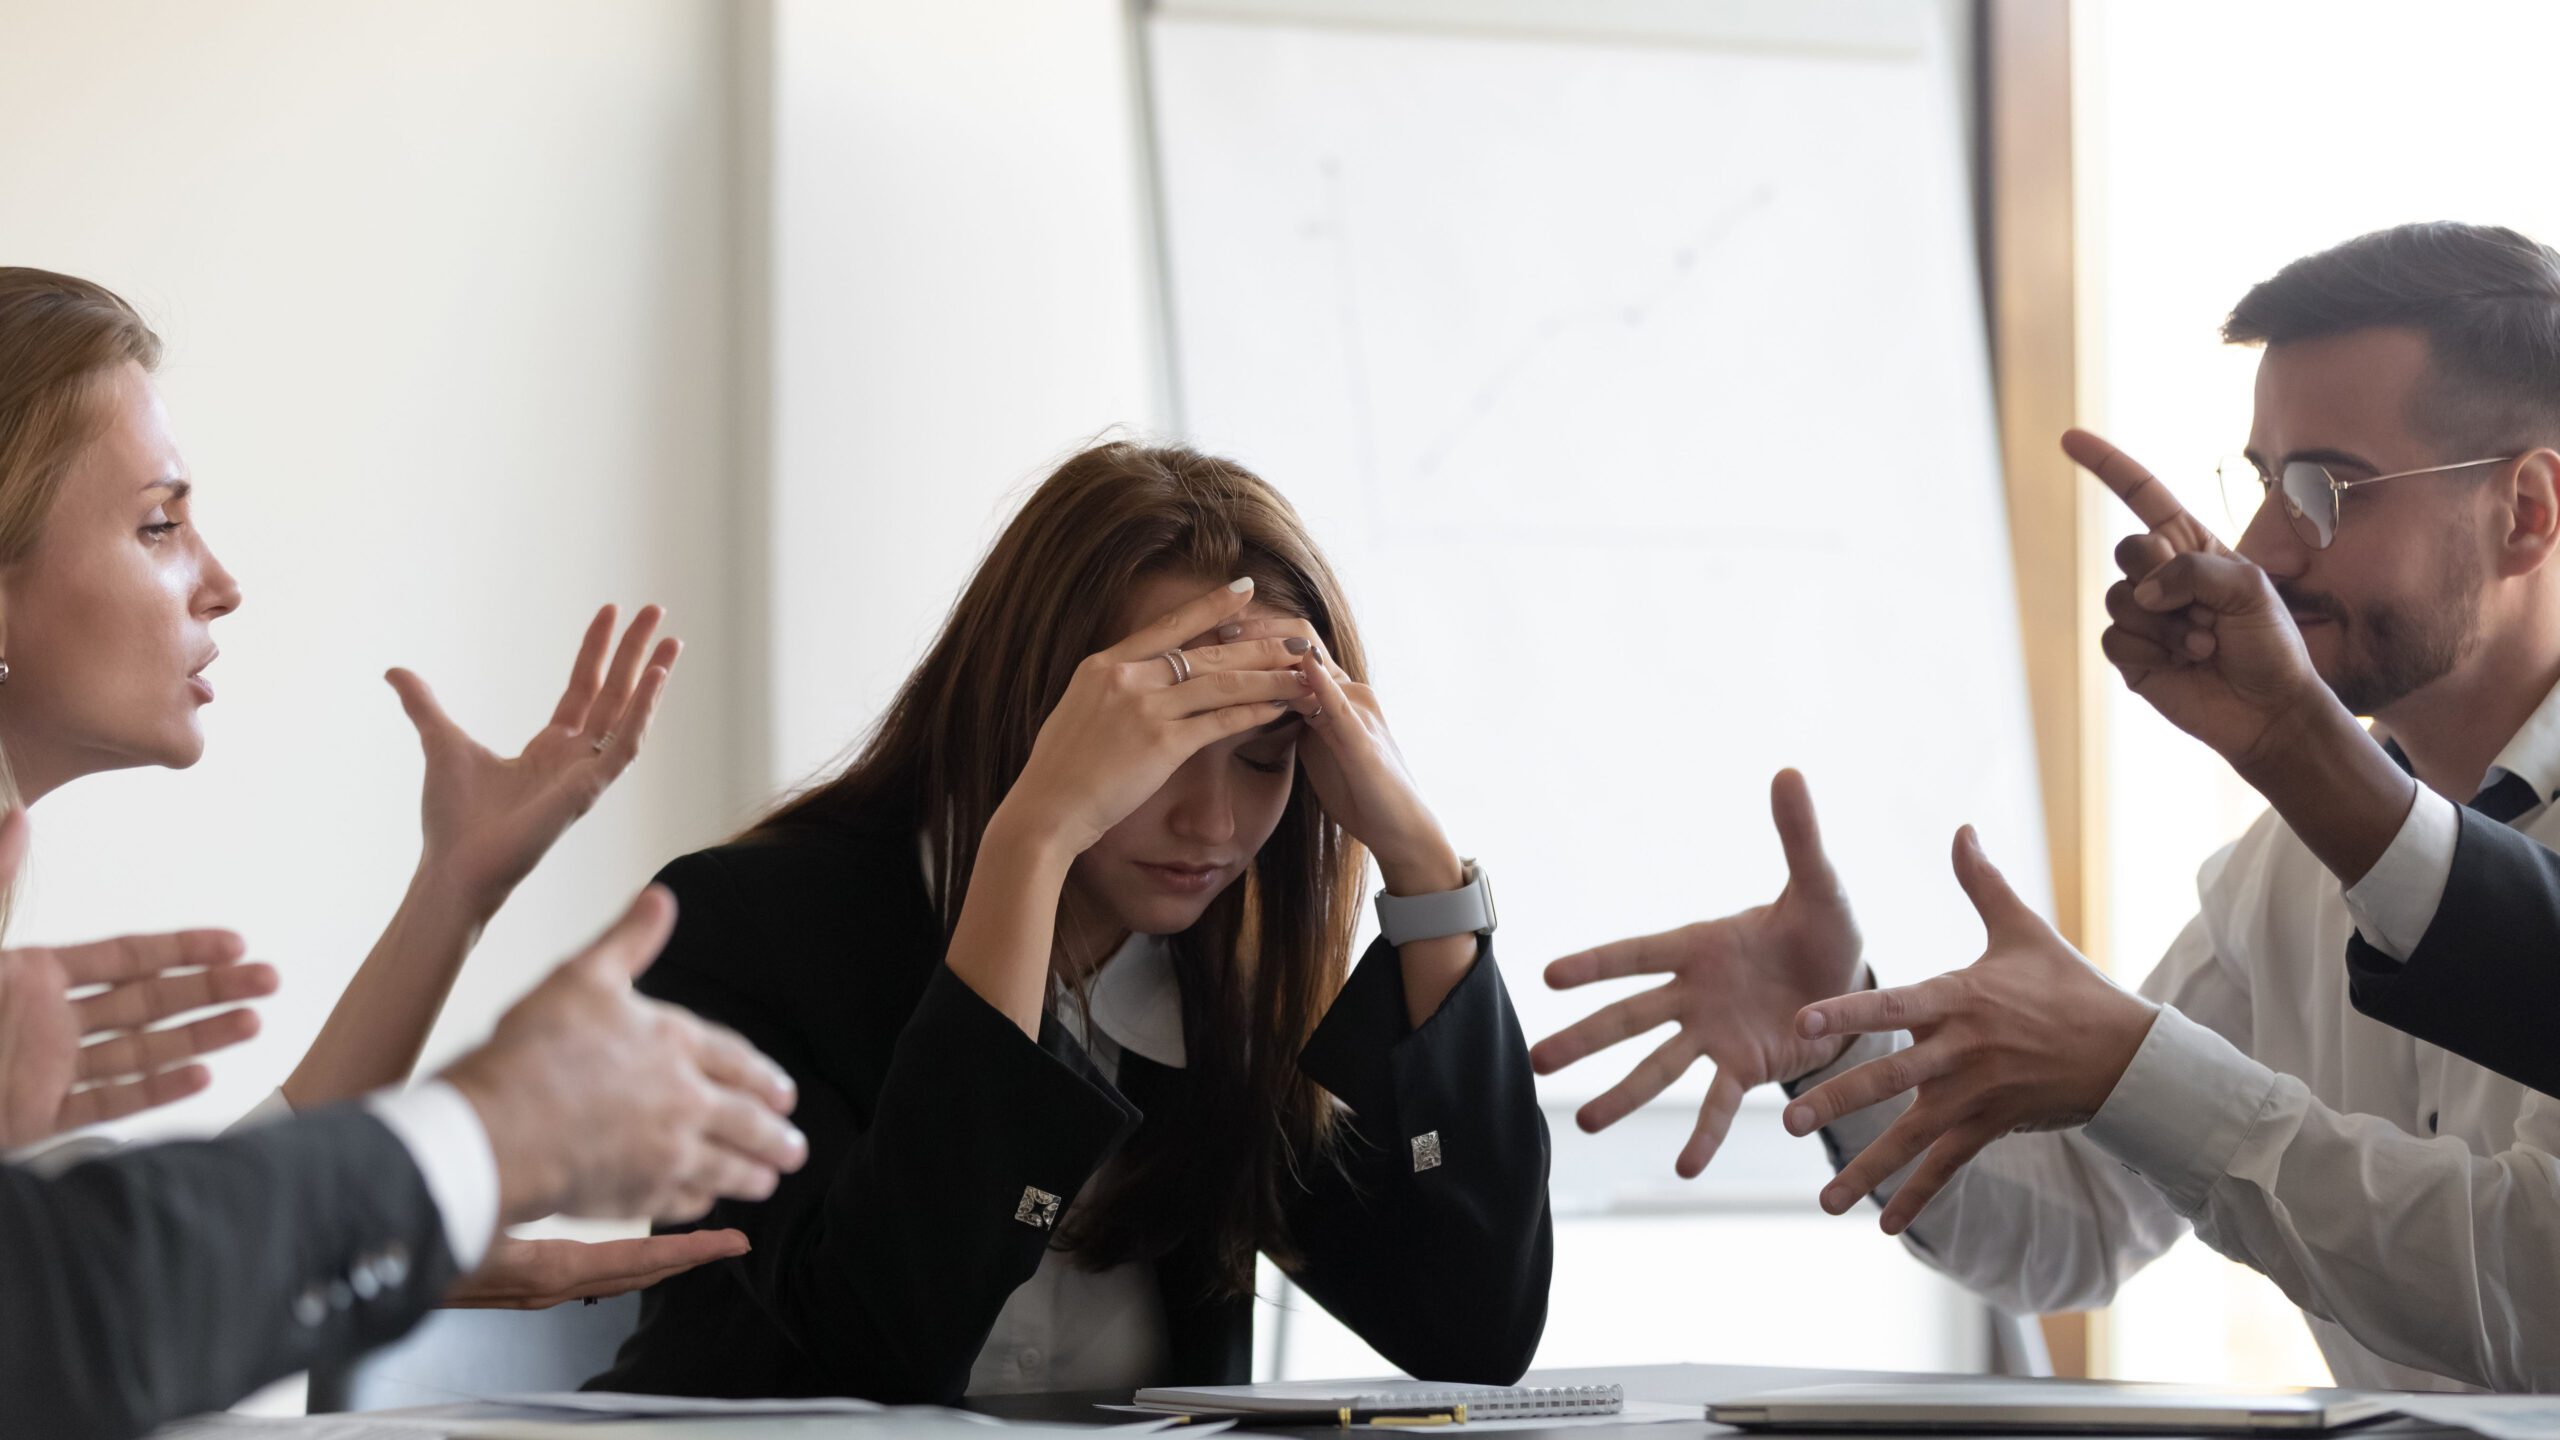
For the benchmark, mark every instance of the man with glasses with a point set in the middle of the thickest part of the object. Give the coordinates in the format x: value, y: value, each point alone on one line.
x: 2405, y: 565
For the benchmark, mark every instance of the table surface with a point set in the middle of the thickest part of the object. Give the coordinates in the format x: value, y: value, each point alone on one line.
x: 1693, y: 1385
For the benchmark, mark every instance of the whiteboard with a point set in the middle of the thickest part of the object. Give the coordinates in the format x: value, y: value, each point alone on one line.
x: 1638, y: 390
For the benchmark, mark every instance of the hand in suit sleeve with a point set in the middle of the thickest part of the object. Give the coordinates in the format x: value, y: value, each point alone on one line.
x: 2485, y: 970
x: 171, y: 1279
x: 1433, y: 1238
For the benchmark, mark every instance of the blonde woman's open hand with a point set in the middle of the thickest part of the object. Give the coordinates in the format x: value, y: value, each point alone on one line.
x: 490, y: 819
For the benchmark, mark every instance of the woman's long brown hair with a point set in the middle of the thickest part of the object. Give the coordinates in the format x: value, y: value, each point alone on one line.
x: 1264, y: 962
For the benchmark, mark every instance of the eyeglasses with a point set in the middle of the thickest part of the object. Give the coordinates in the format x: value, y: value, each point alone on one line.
x: 2309, y: 492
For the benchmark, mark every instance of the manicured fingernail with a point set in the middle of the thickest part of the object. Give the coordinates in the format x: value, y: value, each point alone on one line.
x: 1279, y: 704
x: 1241, y: 584
x: 1306, y: 679
x: 1295, y: 645
x: 1229, y: 632
x: 2199, y: 643
x: 1812, y: 1023
x: 2147, y: 593
x: 1799, y: 1119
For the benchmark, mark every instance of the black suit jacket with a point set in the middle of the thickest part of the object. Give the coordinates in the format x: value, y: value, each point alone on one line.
x: 2484, y: 981
x: 878, y: 1270
x: 167, y: 1280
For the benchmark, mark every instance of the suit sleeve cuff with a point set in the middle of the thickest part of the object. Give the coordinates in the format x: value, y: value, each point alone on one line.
x: 2397, y: 899
x: 444, y: 1136
x: 2182, y: 1108
x: 1352, y: 1053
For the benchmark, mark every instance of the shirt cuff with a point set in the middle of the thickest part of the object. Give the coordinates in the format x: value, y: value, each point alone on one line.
x: 2396, y: 900
x: 2181, y: 1109
x: 444, y: 1136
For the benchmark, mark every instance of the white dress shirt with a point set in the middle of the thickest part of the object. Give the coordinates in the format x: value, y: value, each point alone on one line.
x: 2407, y: 1199
x: 1069, y: 1328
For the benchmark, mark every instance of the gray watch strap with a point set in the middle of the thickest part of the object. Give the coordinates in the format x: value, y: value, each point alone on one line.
x: 1403, y: 919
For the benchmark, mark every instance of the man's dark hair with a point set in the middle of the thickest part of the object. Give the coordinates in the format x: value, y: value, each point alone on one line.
x: 2487, y: 299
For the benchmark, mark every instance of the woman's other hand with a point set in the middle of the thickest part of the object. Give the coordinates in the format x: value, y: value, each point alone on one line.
x: 490, y: 820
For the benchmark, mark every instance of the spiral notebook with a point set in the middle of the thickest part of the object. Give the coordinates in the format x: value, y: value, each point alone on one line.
x: 1483, y: 1402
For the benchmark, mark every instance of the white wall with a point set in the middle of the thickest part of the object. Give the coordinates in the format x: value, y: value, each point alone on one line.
x: 960, y: 293
x: 445, y: 293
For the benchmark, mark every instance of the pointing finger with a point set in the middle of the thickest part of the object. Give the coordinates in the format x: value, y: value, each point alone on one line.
x: 2140, y: 490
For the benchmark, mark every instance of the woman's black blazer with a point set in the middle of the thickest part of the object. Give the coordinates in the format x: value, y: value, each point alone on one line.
x: 936, y: 1127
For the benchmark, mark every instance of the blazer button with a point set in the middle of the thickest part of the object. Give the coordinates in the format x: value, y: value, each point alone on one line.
x: 309, y: 1309
x: 341, y: 1295
x: 364, y: 1279
x: 393, y: 1267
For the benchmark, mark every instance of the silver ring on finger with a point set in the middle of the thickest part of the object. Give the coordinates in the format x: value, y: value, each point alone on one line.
x: 1181, y: 664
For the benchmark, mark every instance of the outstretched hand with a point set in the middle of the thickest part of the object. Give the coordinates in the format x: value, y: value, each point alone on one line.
x: 538, y: 1274
x: 489, y: 820
x: 1734, y: 989
x: 67, y: 1062
x: 2029, y: 1037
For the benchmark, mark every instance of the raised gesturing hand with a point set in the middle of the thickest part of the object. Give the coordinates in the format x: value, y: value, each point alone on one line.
x: 1734, y: 989
x: 603, y: 1103
x: 538, y: 1274
x: 2196, y: 630
x: 67, y: 1062
x: 2029, y: 1037
x: 489, y: 819
x: 1132, y: 716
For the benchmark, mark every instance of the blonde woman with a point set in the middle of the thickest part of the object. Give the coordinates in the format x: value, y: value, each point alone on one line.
x: 109, y: 594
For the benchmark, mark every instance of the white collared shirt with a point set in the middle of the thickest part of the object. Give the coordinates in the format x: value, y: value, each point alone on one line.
x: 2407, y: 1199
x: 1069, y: 1328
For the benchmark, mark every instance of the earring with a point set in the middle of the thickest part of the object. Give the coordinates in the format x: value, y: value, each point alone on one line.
x: 4, y: 672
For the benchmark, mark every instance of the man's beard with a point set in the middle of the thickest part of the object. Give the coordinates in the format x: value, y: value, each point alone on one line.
x: 2389, y: 649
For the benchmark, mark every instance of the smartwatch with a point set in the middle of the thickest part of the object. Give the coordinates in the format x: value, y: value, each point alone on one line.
x: 1403, y: 919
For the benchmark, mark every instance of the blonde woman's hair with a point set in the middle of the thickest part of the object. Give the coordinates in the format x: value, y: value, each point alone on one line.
x: 61, y: 339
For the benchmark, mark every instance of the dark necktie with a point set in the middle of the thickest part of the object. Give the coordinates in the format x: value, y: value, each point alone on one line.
x: 2506, y: 798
